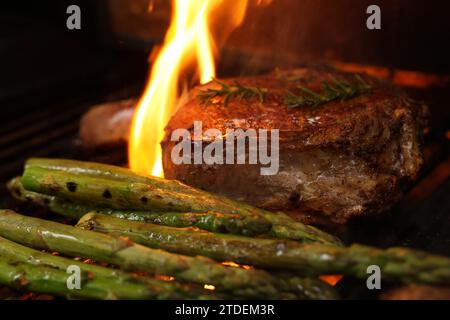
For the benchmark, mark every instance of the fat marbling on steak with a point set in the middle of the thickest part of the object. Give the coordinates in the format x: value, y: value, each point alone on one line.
x: 340, y: 159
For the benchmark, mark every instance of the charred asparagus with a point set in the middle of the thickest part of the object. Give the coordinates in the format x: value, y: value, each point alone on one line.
x: 211, y: 221
x: 128, y: 191
x: 71, y: 241
x: 156, y: 289
x: 143, y: 287
x: 258, y: 252
x: 26, y: 277
x: 401, y: 264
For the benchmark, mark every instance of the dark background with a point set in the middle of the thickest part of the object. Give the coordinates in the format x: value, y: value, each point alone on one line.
x: 41, y: 61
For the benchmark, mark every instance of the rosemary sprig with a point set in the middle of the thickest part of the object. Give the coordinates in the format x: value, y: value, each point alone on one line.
x: 332, y: 90
x: 228, y: 91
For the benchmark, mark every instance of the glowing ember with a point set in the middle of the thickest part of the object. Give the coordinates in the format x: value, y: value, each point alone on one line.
x: 234, y: 264
x: 230, y: 264
x: 209, y: 287
x: 187, y: 40
x: 164, y: 278
x: 331, y: 279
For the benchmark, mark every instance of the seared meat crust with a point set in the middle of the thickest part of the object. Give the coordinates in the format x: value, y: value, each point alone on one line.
x: 337, y: 160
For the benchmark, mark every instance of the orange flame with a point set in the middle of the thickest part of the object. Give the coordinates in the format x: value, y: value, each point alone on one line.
x: 188, y: 40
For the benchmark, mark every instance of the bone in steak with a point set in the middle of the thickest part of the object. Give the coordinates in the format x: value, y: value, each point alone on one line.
x: 340, y: 159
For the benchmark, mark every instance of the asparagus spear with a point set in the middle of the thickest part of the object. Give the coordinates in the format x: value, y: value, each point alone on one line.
x: 306, y: 288
x: 211, y: 221
x: 26, y: 277
x: 51, y: 203
x: 71, y: 241
x: 306, y: 259
x: 125, y: 196
x: 310, y: 288
x: 134, y: 286
x: 107, y: 171
x: 258, y: 252
x: 103, y: 192
x: 134, y: 194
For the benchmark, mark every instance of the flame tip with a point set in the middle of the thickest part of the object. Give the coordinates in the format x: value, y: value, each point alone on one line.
x: 188, y: 39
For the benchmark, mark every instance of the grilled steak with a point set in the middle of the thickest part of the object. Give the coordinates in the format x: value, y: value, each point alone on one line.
x: 345, y: 156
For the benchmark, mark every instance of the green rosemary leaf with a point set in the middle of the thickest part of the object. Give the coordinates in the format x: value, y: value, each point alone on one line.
x: 294, y: 101
x: 236, y: 90
x: 362, y: 84
x: 316, y: 96
x: 332, y: 90
x: 329, y: 90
